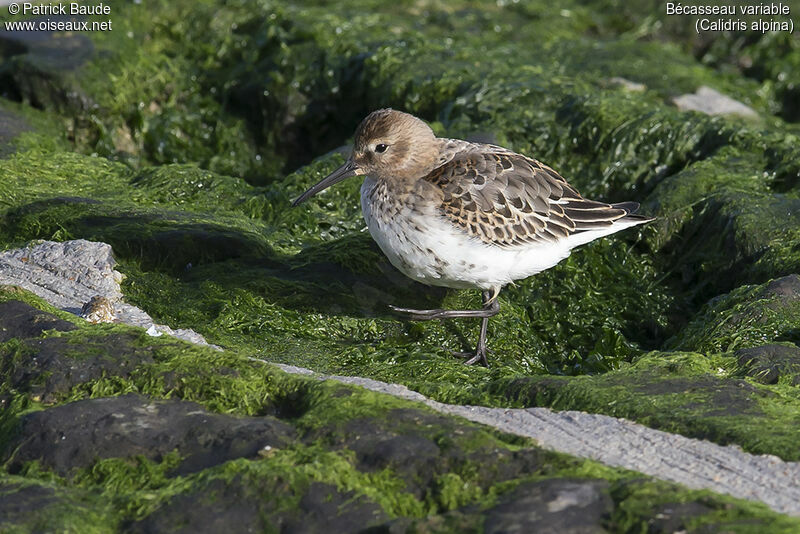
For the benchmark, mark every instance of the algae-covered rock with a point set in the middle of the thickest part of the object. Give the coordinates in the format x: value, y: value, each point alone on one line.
x: 49, y: 368
x: 11, y: 126
x: 76, y: 435
x: 247, y: 504
x: 560, y: 506
x: 294, y: 452
x: 688, y: 393
x: 769, y: 363
x: 21, y: 320
x: 41, y: 66
x: 28, y: 505
x: 747, y: 317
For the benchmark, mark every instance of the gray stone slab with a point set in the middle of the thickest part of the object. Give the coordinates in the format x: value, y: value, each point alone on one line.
x: 69, y: 274
x: 712, y: 102
x: 697, y: 464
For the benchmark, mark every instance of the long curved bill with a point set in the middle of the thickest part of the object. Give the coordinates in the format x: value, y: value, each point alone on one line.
x: 345, y: 171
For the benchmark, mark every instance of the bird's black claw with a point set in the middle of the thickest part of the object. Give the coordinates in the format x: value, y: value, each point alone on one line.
x: 471, y: 358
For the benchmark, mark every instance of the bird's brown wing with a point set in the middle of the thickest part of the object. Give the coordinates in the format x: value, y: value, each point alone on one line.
x: 507, y: 199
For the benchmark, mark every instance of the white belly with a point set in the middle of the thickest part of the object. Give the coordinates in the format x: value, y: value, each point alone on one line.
x: 426, y: 247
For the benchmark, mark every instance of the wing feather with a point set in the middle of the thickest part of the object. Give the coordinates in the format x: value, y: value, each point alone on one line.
x: 510, y: 200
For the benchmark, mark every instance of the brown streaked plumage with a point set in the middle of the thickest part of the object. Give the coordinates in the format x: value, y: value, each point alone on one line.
x: 457, y: 214
x: 507, y: 199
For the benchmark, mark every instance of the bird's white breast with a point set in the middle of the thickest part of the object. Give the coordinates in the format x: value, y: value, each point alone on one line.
x: 427, y: 247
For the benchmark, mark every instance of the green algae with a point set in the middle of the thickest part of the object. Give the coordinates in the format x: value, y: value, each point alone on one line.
x: 189, y: 187
x: 140, y: 486
x: 39, y: 172
x: 677, y: 196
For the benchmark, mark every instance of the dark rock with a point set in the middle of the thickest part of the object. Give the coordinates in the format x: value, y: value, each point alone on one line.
x: 720, y: 398
x: 323, y: 508
x: 557, y: 506
x: 18, y: 501
x: 378, y: 448
x: 74, y: 435
x: 461, y: 521
x: 219, y: 507
x: 258, y: 504
x: 786, y: 288
x: 674, y: 517
x: 11, y: 125
x: 38, y: 506
x: 21, y: 320
x: 394, y: 442
x: 419, y: 446
x: 48, y: 368
x: 56, y: 50
x: 38, y: 66
x: 671, y: 518
x: 767, y: 363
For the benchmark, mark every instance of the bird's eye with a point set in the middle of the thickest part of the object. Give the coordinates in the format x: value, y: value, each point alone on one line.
x: 380, y: 149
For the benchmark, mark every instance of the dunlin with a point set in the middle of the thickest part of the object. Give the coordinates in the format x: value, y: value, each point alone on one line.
x: 457, y: 214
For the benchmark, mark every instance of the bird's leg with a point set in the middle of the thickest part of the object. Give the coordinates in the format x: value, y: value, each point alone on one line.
x: 479, y: 356
x: 490, y: 308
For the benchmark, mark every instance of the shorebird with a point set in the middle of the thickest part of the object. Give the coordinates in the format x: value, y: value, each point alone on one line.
x: 457, y: 214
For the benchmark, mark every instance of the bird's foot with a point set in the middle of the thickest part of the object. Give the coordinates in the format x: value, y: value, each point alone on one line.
x: 471, y: 358
x: 490, y: 308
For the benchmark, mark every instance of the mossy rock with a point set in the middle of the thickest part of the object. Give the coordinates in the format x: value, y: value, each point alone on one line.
x: 747, y: 317
x: 770, y: 363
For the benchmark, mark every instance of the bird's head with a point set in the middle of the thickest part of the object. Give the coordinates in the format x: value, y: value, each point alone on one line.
x: 389, y: 145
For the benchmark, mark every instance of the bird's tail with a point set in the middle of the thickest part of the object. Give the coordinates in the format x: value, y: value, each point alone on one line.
x: 631, y: 216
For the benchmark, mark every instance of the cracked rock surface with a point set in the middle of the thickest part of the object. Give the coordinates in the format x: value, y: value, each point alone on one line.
x: 70, y: 274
